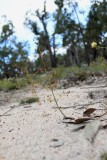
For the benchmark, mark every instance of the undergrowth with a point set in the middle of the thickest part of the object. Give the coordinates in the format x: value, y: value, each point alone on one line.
x: 13, y: 83
x: 99, y: 67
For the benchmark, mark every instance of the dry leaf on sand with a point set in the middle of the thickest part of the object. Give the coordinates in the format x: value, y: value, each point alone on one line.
x: 88, y: 112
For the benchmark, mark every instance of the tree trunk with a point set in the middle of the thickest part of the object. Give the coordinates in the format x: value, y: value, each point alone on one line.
x: 82, y: 34
x: 73, y: 55
x: 52, y: 57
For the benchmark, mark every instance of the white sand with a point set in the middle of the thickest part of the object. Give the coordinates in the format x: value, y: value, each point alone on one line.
x: 29, y: 132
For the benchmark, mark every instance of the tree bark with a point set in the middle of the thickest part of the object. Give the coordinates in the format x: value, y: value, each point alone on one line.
x: 52, y: 57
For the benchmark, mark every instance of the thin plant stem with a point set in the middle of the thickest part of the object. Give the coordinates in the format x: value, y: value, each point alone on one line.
x: 30, y: 79
x: 57, y: 103
x: 59, y: 108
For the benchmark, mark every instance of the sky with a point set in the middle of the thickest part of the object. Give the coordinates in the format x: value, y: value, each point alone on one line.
x: 15, y: 10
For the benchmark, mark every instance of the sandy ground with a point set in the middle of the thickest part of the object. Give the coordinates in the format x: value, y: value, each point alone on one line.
x: 37, y: 131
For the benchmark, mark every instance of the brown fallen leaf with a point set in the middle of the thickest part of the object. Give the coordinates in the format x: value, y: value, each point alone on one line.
x: 70, y: 122
x: 88, y: 111
x: 81, y: 120
x: 71, y: 118
x: 76, y: 121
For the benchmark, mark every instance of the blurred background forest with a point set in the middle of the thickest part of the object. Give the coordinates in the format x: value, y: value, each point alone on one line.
x: 68, y: 32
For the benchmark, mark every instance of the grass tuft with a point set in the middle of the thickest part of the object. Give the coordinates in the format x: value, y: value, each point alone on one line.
x: 29, y: 100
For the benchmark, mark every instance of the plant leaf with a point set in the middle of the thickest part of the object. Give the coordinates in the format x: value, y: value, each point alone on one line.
x: 70, y: 122
x: 81, y: 120
x: 88, y: 111
x: 71, y: 118
x: 91, y: 130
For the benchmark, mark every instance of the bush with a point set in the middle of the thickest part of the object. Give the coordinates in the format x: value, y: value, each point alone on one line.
x: 98, y: 67
x: 12, y: 83
x: 29, y: 100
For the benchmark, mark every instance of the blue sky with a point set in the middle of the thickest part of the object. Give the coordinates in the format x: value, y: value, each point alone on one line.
x: 15, y: 10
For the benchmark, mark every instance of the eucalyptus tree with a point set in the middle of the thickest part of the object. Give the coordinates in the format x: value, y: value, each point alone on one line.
x: 11, y: 51
x: 68, y: 28
x: 96, y: 27
x: 39, y: 27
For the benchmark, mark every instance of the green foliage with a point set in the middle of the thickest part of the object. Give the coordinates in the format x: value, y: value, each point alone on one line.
x: 97, y: 21
x: 29, y: 100
x: 45, y: 58
x: 58, y: 73
x: 99, y: 66
x: 12, y: 52
x: 7, y: 31
x: 96, y: 68
x: 42, y: 78
x: 44, y: 41
x: 66, y: 26
x: 61, y: 72
x: 12, y: 83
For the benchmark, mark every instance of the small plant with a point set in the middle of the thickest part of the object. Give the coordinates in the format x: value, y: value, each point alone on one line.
x: 29, y: 100
x: 52, y: 82
x: 99, y: 66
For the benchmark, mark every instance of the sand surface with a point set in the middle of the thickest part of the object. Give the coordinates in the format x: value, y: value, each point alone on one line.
x: 37, y: 132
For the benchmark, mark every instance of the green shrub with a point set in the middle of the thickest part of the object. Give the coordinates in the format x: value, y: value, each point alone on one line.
x: 61, y: 72
x: 12, y: 83
x: 99, y: 66
x: 29, y: 100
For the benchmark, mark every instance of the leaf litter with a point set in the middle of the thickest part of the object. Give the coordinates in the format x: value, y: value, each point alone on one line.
x: 88, y: 112
x: 91, y: 123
